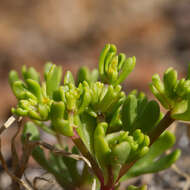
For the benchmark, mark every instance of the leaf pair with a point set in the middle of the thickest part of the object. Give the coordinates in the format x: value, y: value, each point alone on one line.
x: 114, y: 68
x: 139, y: 113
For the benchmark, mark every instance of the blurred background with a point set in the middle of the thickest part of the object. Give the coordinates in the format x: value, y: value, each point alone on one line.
x: 72, y: 33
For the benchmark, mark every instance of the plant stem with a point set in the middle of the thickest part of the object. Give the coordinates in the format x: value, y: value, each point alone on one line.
x: 110, y: 184
x: 106, y: 188
x: 161, y: 127
x: 80, y: 145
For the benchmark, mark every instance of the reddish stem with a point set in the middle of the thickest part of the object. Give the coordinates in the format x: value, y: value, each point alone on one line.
x: 82, y: 148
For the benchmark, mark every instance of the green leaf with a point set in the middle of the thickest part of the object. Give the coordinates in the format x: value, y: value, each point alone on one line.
x: 68, y: 78
x: 35, y: 88
x: 13, y: 77
x: 118, y: 157
x: 182, y: 111
x: 84, y: 74
x: 109, y: 48
x: 153, y: 161
x: 129, y: 112
x: 30, y: 129
x: 53, y: 78
x: 149, y: 117
x: 19, y: 89
x: 127, y: 68
x: 30, y: 73
x: 101, y: 146
x: 86, y: 129
x: 170, y: 81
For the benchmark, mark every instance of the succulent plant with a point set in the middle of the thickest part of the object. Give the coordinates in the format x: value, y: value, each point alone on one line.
x: 120, y: 134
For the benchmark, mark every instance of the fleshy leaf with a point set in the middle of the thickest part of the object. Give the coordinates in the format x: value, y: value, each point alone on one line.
x: 152, y: 162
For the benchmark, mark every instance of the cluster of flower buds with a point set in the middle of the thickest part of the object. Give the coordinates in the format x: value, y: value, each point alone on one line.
x: 173, y: 94
x: 114, y: 127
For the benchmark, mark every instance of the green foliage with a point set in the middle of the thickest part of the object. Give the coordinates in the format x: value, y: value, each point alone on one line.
x: 114, y: 68
x: 63, y: 168
x: 139, y: 113
x: 111, y: 129
x: 173, y: 94
x: 155, y: 160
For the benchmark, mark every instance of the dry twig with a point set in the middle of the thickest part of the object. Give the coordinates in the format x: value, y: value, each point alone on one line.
x: 13, y: 177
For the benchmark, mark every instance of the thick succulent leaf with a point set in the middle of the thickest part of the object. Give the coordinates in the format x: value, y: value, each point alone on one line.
x: 170, y: 81
x: 30, y: 73
x: 101, y: 147
x: 118, y: 156
x: 127, y: 68
x: 94, y: 76
x: 30, y: 129
x: 129, y: 112
x: 35, y: 88
x: 13, y: 77
x: 154, y: 160
x: 19, y: 89
x: 84, y: 74
x: 86, y: 126
x: 68, y: 78
x: 53, y: 78
x: 182, y: 111
x: 148, y: 118
x: 109, y: 48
